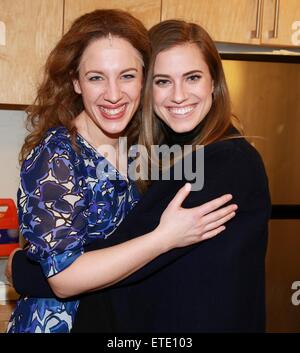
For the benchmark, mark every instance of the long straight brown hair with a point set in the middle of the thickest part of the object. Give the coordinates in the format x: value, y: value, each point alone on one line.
x: 56, y: 103
x: 219, y: 120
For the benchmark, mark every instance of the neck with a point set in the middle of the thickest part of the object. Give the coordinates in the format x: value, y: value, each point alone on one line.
x: 184, y: 138
x: 92, y: 133
x: 107, y: 146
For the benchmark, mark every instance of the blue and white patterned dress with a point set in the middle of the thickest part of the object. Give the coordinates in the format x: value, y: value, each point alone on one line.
x: 63, y: 206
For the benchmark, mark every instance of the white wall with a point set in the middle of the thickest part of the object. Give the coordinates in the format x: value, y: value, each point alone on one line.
x: 12, y: 133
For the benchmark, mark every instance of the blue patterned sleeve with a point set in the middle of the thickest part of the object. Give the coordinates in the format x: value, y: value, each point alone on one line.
x: 52, y: 206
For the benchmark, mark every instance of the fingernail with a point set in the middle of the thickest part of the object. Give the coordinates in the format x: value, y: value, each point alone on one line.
x: 188, y: 186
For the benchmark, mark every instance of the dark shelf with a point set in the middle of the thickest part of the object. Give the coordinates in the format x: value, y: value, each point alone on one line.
x: 261, y: 57
x: 285, y: 212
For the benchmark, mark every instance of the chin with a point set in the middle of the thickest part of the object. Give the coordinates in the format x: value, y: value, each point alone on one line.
x: 115, y: 128
x: 115, y: 133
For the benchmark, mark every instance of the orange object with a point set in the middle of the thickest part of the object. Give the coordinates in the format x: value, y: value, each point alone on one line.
x: 9, y: 233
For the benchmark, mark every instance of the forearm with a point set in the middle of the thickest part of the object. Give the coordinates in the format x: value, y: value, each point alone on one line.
x: 101, y: 268
x: 154, y: 266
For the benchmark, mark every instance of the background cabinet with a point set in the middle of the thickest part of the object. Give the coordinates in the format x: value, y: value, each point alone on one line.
x: 232, y: 21
x: 267, y: 22
x: 148, y: 11
x: 278, y: 19
x: 29, y: 30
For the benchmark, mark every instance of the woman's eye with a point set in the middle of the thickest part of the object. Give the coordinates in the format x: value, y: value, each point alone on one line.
x: 128, y: 76
x: 161, y: 82
x: 95, y: 78
x: 194, y: 78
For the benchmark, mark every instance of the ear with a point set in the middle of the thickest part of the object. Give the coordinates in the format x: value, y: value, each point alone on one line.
x: 76, y: 86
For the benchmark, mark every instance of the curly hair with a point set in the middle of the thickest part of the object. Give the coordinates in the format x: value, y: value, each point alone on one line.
x: 56, y: 103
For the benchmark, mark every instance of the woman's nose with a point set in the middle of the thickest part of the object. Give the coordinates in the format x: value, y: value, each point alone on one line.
x: 179, y: 93
x: 113, y: 92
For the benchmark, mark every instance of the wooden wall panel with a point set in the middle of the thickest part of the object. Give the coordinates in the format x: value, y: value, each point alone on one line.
x: 226, y: 21
x: 32, y: 28
x: 288, y: 13
x: 148, y: 11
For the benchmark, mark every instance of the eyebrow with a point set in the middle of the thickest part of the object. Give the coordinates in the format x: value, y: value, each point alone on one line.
x: 184, y: 75
x: 102, y: 73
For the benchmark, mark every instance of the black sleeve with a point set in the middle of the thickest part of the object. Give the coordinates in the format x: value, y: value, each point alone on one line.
x: 28, y: 277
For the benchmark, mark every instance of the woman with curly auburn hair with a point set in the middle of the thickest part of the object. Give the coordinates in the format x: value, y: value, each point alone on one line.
x: 89, y: 98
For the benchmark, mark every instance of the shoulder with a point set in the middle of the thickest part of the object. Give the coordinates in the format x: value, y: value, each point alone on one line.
x: 55, y: 145
x: 55, y: 140
x: 237, y: 151
x: 233, y: 166
x: 232, y: 162
x: 235, y: 144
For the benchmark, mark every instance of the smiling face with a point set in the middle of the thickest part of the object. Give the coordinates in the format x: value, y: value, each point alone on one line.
x: 182, y: 87
x: 110, y: 82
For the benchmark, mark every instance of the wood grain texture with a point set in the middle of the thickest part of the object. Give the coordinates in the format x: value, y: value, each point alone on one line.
x: 32, y: 29
x: 226, y: 21
x: 148, y: 11
x: 289, y: 12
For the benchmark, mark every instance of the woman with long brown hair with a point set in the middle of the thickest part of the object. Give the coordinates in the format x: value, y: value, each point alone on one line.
x: 89, y: 98
x: 215, y: 286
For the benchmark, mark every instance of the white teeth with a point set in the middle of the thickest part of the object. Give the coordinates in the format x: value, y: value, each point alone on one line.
x: 181, y: 111
x: 113, y: 111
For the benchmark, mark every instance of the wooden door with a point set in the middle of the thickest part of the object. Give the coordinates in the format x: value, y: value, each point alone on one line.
x: 148, y: 11
x: 29, y: 30
x: 281, y: 23
x: 235, y: 21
